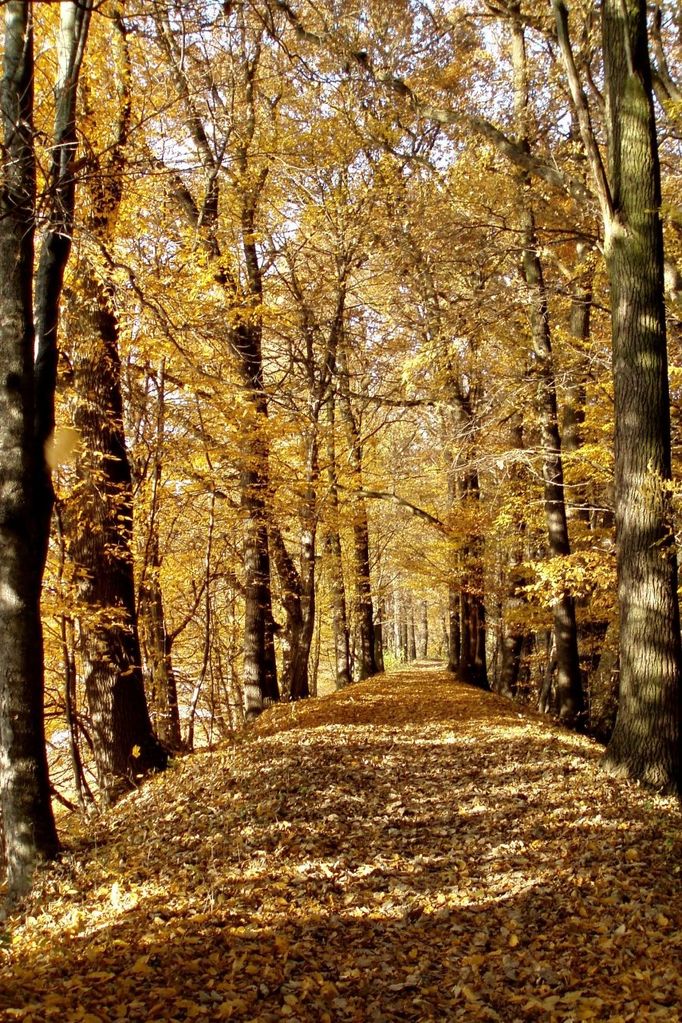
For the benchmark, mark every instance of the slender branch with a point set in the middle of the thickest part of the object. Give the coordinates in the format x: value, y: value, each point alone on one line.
x: 579, y: 98
x: 386, y: 495
x: 449, y: 116
x: 667, y: 88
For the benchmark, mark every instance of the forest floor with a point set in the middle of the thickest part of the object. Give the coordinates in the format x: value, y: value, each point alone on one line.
x: 409, y: 849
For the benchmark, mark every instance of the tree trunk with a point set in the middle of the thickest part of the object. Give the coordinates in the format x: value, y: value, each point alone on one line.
x: 404, y: 640
x: 424, y: 630
x: 100, y: 513
x: 569, y: 693
x: 158, y: 647
x: 157, y: 643
x: 260, y: 667
x: 301, y: 687
x: 411, y: 634
x: 299, y: 607
x: 472, y: 645
x: 647, y: 738
x: 547, y: 699
x: 260, y: 672
x: 208, y: 630
x: 67, y: 636
x: 579, y: 327
x: 444, y: 645
x: 573, y: 419
x: 243, y: 293
x: 513, y: 579
x: 364, y: 613
x: 339, y: 612
x: 397, y: 618
x: 340, y: 630
x: 29, y: 832
x: 604, y: 686
x: 316, y: 649
x: 379, y: 634
x: 99, y: 525
x: 512, y: 645
x: 467, y: 605
x: 56, y: 242
x: 454, y: 632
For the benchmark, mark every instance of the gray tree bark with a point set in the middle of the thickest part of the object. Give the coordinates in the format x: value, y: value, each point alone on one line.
x: 568, y: 688
x: 647, y: 738
x: 28, y: 824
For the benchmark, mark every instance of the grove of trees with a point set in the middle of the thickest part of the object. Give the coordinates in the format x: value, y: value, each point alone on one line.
x: 333, y: 334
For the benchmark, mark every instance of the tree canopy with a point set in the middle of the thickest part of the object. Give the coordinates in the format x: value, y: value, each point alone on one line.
x: 357, y: 340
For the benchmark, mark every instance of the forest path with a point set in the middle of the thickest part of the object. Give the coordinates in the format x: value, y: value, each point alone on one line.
x: 409, y: 849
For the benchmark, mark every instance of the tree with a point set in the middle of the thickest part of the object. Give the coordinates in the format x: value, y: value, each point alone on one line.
x: 99, y: 517
x: 647, y: 739
x: 239, y: 275
x: 28, y: 824
x: 569, y: 696
x: 157, y: 638
x: 316, y: 354
x: 365, y: 658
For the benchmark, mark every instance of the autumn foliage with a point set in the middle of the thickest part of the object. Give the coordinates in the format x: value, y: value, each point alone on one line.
x: 337, y: 336
x: 416, y: 850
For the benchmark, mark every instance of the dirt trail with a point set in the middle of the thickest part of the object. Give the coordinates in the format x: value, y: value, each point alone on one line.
x: 410, y: 849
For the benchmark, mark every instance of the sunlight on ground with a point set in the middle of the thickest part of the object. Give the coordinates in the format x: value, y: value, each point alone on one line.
x: 409, y: 849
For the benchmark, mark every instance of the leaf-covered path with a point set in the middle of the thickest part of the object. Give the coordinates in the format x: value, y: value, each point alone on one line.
x: 410, y: 849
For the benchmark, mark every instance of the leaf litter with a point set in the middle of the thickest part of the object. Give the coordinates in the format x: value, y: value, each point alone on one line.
x: 408, y: 849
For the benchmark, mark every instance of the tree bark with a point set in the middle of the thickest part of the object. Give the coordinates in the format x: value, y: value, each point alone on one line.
x: 67, y: 636
x: 648, y: 734
x: 469, y: 637
x: 260, y: 670
x: 260, y: 666
x: 379, y: 634
x: 511, y: 636
x: 297, y: 633
x: 397, y: 624
x: 56, y: 243
x: 604, y: 686
x: 99, y: 524
x: 411, y: 633
x: 243, y: 308
x: 333, y: 539
x: 208, y: 629
x: 568, y: 689
x: 158, y: 646
x: 29, y: 831
x: 364, y: 613
x: 157, y: 642
x: 472, y: 645
x: 454, y: 631
x: 424, y: 630
x: 569, y: 693
x: 100, y: 512
x: 647, y: 738
x: 579, y: 327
